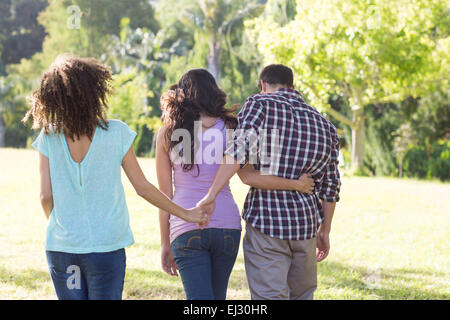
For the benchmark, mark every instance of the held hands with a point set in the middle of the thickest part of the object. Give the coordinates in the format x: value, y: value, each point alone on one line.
x: 305, y: 184
x: 208, y: 203
x: 201, y: 214
x: 197, y: 215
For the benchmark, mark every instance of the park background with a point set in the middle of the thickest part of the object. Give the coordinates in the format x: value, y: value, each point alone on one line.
x: 378, y: 69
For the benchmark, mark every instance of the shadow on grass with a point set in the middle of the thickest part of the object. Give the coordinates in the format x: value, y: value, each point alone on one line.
x: 148, y: 245
x: 28, y: 279
x: 361, y: 283
x: 151, y: 284
x: 392, y: 283
x: 384, y: 283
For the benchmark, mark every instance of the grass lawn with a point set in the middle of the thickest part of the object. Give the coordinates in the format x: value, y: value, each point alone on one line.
x: 390, y: 240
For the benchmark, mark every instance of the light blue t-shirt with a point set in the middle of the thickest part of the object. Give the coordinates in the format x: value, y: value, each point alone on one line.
x: 90, y: 213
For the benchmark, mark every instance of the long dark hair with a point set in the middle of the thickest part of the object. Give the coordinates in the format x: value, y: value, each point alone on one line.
x: 196, y: 92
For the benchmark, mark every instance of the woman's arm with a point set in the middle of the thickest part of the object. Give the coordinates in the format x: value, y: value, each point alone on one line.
x: 164, y: 175
x: 150, y: 193
x: 46, y: 193
x: 252, y: 177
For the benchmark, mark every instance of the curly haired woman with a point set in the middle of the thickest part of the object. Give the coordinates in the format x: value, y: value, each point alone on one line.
x: 81, y: 155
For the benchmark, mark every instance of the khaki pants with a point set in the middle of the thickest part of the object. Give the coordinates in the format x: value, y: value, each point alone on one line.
x: 279, y: 269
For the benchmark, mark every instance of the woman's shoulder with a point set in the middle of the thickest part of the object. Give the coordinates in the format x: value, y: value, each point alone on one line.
x: 115, y: 123
x: 117, y: 126
x: 161, y: 138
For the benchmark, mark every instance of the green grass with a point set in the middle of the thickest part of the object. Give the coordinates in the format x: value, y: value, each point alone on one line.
x: 390, y: 240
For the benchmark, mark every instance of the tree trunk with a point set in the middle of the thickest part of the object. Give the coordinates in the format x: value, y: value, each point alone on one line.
x: 400, y: 168
x: 358, y: 141
x: 214, y: 58
x: 2, y: 132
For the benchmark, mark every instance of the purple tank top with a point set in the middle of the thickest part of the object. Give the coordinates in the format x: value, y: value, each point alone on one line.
x: 191, y: 186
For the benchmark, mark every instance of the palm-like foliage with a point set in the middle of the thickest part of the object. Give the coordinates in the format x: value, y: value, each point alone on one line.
x: 6, y: 88
x: 12, y: 102
x: 215, y: 19
x: 143, y: 51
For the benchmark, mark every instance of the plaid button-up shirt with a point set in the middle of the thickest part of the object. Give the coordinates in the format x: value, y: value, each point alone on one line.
x: 306, y: 143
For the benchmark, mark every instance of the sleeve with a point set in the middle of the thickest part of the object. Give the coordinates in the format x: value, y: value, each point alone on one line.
x: 127, y: 139
x: 243, y: 145
x: 41, y: 143
x: 331, y: 183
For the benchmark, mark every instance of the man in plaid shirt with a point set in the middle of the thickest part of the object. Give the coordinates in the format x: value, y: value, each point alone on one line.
x: 287, y: 232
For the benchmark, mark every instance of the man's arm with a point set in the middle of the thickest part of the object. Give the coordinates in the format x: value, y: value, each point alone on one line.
x: 250, y: 119
x: 329, y: 194
x: 226, y: 170
x: 323, y: 234
x: 254, y: 178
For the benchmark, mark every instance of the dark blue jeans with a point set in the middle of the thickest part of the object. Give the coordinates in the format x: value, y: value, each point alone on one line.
x: 205, y: 259
x: 91, y: 276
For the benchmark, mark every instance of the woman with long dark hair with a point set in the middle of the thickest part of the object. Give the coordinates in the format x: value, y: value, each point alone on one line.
x: 194, y: 109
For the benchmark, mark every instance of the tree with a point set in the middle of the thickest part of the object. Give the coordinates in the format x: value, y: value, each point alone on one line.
x: 12, y: 107
x: 83, y: 27
x: 404, y: 139
x: 129, y: 104
x: 23, y: 36
x: 215, y: 20
x: 136, y: 58
x: 5, y: 94
x: 369, y: 52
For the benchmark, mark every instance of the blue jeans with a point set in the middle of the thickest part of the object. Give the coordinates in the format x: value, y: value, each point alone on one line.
x: 205, y: 259
x: 91, y: 276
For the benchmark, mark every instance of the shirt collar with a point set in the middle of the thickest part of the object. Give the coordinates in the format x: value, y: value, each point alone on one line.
x: 291, y: 92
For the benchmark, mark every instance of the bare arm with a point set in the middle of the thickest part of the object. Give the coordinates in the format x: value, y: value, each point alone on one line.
x: 226, y: 170
x: 323, y: 234
x: 254, y: 178
x: 328, y: 212
x: 329, y: 194
x: 164, y: 174
x: 250, y: 118
x: 46, y: 194
x: 150, y: 193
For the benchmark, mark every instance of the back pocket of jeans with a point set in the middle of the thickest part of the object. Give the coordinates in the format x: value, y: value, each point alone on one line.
x: 187, y: 245
x: 231, y: 239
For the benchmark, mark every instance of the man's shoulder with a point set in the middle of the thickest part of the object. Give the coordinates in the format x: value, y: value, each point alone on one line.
x: 266, y: 97
x: 319, y: 115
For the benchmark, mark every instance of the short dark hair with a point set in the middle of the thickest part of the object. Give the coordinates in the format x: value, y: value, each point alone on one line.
x: 277, y: 74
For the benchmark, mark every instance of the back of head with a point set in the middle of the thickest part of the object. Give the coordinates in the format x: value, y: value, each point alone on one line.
x: 72, y: 97
x: 201, y: 92
x: 195, y: 93
x: 277, y: 74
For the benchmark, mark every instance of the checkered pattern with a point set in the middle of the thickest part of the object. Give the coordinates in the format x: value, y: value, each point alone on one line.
x: 308, y: 143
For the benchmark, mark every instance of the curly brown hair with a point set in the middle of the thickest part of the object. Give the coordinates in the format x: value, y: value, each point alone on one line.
x: 72, y: 97
x: 196, y: 92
